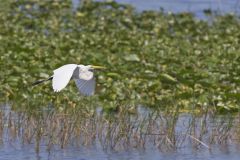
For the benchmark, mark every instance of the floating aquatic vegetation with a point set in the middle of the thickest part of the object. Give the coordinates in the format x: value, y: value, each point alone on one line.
x: 153, y: 58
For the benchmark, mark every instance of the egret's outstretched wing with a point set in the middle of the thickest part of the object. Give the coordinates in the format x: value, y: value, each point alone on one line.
x: 86, y: 87
x: 62, y: 76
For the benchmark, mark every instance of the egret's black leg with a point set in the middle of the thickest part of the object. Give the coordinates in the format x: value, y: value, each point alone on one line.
x: 41, y: 81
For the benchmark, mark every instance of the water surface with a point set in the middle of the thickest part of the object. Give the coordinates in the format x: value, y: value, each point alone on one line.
x: 176, y: 6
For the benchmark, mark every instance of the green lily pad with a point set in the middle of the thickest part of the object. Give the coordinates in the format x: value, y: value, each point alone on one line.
x: 132, y: 57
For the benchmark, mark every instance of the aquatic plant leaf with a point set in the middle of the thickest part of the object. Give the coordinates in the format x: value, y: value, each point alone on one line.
x: 132, y: 57
x: 168, y: 77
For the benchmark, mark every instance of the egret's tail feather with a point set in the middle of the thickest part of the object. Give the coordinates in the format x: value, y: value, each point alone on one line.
x: 41, y: 81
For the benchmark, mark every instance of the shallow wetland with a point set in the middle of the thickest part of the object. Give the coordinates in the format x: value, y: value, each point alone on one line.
x: 170, y: 91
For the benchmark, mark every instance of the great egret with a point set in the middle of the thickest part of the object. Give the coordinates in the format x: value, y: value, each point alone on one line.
x: 83, y: 76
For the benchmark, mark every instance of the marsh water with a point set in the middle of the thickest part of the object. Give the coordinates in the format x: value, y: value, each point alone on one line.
x: 150, y: 134
x: 27, y: 152
x: 194, y: 6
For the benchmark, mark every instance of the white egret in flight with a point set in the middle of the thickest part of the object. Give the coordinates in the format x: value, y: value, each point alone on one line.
x: 83, y: 76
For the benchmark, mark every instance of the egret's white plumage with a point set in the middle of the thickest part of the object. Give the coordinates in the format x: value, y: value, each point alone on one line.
x: 62, y: 76
x: 83, y: 76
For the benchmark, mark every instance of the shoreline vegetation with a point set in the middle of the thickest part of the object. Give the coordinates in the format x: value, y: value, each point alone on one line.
x: 174, y: 62
x: 50, y: 130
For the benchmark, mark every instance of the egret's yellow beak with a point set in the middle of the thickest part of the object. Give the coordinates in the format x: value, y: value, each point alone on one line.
x: 98, y: 67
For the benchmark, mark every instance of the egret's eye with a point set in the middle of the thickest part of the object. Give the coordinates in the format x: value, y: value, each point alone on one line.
x: 91, y: 69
